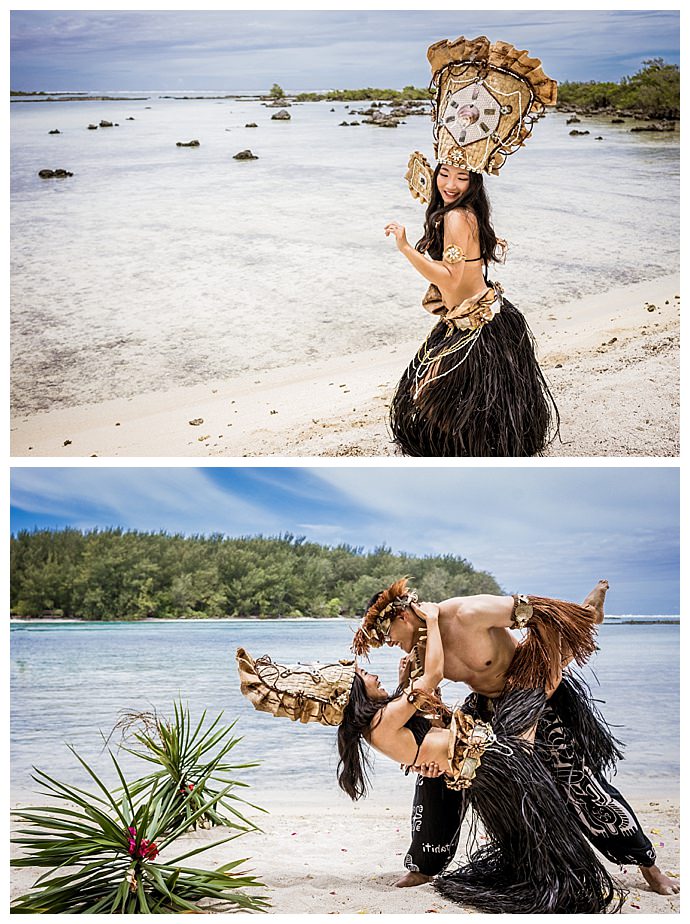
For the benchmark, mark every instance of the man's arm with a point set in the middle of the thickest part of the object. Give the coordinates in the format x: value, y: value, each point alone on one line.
x: 481, y: 611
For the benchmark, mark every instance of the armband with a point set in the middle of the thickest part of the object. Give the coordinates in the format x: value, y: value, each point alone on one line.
x: 522, y: 611
x: 453, y: 254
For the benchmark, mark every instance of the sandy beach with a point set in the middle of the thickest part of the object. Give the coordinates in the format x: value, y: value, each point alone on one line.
x: 612, y: 360
x: 321, y: 854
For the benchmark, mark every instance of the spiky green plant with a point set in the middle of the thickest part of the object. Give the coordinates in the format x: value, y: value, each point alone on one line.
x: 192, y: 765
x: 103, y: 854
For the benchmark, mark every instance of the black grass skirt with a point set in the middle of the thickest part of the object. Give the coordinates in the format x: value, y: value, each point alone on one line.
x: 495, y: 402
x: 534, y: 859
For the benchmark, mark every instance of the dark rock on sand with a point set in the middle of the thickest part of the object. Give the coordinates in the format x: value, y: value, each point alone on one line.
x: 92, y: 127
x: 245, y: 155
x: 343, y: 123
x: 188, y: 144
x: 282, y: 116
x: 54, y: 131
x: 130, y: 119
x: 54, y: 174
x: 251, y: 125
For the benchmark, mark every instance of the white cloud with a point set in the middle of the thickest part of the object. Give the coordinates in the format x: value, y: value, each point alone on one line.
x: 174, y: 499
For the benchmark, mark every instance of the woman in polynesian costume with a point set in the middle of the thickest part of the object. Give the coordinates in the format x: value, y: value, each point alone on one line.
x: 474, y: 387
x: 535, y: 858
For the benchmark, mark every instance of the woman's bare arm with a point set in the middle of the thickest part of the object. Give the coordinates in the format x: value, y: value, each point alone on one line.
x: 389, y: 731
x: 446, y: 273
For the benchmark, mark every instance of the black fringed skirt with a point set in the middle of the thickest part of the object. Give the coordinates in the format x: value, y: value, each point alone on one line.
x: 485, y: 396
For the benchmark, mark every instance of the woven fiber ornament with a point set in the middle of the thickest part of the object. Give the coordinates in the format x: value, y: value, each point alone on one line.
x: 301, y: 692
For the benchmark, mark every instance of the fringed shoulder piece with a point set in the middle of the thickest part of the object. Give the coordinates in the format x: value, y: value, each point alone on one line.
x: 556, y: 632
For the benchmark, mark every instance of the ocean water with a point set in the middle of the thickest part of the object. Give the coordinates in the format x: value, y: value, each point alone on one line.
x: 70, y: 683
x: 156, y: 266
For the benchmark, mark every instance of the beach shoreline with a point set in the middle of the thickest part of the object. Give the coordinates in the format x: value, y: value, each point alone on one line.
x: 597, y: 353
x: 318, y: 853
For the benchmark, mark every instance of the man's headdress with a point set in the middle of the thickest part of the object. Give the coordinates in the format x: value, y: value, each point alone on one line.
x: 301, y: 692
x: 488, y: 97
x: 376, y: 623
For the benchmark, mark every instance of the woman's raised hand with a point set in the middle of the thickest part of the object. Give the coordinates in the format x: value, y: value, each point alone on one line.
x: 399, y: 233
x: 426, y: 611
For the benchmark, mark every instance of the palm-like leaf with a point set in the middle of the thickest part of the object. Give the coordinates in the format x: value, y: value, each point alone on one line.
x: 102, y: 852
x: 192, y: 765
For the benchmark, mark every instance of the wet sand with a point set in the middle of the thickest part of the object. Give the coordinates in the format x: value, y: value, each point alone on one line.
x: 612, y: 360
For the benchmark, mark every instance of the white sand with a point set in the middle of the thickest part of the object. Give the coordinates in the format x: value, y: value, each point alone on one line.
x: 613, y: 365
x: 324, y: 855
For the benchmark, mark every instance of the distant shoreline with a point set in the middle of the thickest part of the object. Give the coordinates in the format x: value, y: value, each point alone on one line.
x: 53, y: 620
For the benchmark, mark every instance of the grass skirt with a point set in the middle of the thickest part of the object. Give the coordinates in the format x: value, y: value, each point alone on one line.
x: 535, y: 859
x: 485, y: 396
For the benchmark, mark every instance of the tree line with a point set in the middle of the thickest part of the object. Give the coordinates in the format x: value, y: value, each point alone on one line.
x: 106, y: 574
x: 653, y: 92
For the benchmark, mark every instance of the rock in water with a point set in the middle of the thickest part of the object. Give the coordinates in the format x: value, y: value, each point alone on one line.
x: 105, y: 124
x: 188, y: 144
x: 282, y: 116
x: 54, y: 174
x: 92, y: 127
x: 245, y: 155
x: 54, y: 131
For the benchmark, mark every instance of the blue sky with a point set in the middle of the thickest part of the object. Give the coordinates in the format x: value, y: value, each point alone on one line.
x: 552, y: 531
x: 249, y: 50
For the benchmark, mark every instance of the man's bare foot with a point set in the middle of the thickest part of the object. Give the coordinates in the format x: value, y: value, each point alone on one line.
x: 595, y: 600
x: 658, y: 882
x: 412, y: 879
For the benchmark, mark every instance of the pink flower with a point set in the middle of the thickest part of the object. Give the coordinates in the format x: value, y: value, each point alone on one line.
x: 146, y: 850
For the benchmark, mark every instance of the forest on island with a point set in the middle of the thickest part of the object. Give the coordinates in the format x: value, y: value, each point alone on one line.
x: 653, y: 92
x: 119, y: 574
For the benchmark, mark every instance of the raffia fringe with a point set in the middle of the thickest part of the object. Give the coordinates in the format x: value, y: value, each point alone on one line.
x: 556, y: 631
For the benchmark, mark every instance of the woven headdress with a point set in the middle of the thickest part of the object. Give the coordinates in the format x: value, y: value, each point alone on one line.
x: 488, y: 97
x: 302, y: 692
x: 376, y: 623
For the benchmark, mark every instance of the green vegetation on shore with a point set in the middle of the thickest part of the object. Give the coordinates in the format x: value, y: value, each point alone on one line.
x: 653, y: 92
x: 347, y: 96
x: 115, y: 574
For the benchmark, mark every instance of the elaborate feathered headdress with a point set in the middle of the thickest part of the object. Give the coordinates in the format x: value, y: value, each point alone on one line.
x: 376, y: 622
x: 488, y: 97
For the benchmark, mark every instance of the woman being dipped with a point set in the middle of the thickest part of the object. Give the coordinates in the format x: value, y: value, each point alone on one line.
x: 474, y: 388
x: 534, y: 858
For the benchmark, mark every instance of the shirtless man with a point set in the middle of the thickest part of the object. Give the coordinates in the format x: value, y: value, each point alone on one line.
x: 482, y: 652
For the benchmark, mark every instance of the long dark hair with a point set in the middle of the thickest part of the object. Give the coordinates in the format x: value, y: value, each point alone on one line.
x: 476, y: 201
x: 361, y: 713
x: 354, y: 763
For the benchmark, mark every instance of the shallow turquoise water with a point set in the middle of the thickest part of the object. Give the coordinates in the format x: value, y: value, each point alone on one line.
x: 69, y: 683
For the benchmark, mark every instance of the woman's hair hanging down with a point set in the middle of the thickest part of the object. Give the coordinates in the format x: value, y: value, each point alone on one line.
x: 354, y: 763
x: 360, y: 714
x: 476, y: 201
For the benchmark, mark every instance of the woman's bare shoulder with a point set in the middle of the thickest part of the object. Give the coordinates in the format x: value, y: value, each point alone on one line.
x: 461, y: 220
